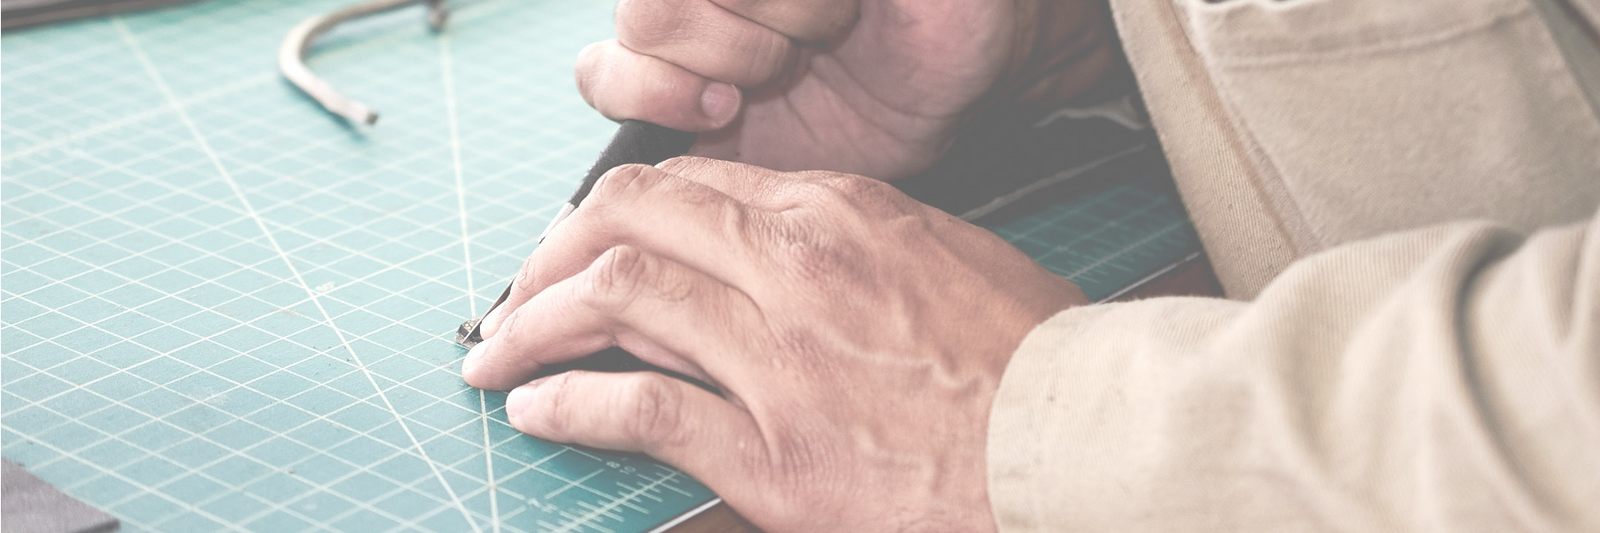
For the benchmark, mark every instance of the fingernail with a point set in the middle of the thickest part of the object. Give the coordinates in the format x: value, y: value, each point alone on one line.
x: 490, y: 323
x: 720, y: 102
x: 519, y: 400
x: 474, y: 356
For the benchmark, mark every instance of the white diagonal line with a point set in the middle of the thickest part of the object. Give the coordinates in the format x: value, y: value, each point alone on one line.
x: 135, y: 118
x: 183, y: 114
x: 466, y: 257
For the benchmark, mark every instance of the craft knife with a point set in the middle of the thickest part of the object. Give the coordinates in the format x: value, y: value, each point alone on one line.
x: 636, y: 141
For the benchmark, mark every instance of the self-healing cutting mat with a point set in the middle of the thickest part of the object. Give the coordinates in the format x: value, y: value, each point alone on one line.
x: 1110, y: 229
x: 223, y: 310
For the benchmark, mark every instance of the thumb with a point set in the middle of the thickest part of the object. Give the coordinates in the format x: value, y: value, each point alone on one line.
x: 621, y: 84
x: 646, y: 412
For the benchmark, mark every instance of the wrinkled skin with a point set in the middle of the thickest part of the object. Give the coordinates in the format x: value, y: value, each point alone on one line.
x: 871, y: 87
x: 856, y: 336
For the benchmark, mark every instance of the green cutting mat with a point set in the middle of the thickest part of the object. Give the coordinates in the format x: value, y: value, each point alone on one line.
x: 224, y: 311
x: 221, y: 310
x: 1118, y: 227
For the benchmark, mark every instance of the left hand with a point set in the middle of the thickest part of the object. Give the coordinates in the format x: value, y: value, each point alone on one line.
x: 873, y: 87
x: 857, y: 338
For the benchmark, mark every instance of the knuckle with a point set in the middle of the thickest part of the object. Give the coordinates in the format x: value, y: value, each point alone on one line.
x: 525, y: 280
x: 616, y: 277
x: 686, y: 164
x: 738, y: 222
x: 795, y: 463
x: 873, y: 198
x: 840, y: 15
x: 510, y: 335
x: 555, y: 396
x: 856, y: 187
x: 621, y: 183
x: 806, y: 253
x: 808, y: 21
x: 671, y: 286
x: 780, y: 53
x: 642, y: 24
x: 655, y: 410
x: 704, y: 38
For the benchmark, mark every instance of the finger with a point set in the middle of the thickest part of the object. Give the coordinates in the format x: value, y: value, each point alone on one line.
x: 645, y: 207
x: 645, y: 412
x: 807, y: 21
x: 521, y: 289
x: 775, y: 191
x: 623, y: 84
x: 870, y: 196
x: 669, y: 315
x: 751, y: 185
x: 705, y: 39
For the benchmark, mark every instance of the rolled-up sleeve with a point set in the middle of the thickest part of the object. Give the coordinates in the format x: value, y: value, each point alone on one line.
x: 1443, y: 379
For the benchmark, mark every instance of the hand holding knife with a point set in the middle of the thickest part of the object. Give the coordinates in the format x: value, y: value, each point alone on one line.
x: 636, y: 142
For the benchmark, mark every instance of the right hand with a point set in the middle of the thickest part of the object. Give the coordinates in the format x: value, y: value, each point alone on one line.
x: 856, y: 338
x: 871, y: 87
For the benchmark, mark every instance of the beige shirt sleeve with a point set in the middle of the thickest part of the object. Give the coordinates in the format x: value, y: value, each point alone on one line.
x: 1441, y: 379
x: 1296, y: 126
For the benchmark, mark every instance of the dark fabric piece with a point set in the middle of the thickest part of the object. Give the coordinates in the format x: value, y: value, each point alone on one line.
x: 29, y: 505
x: 636, y: 142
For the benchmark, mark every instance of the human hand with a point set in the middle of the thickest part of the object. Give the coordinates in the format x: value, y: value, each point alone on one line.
x: 871, y: 87
x: 856, y: 336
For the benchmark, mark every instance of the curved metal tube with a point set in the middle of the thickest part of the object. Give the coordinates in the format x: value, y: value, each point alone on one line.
x: 291, y: 55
